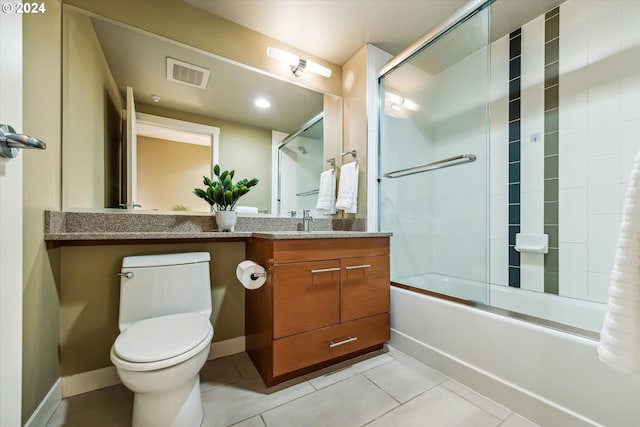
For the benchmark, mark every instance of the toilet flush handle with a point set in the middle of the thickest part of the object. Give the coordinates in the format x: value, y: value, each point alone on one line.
x: 127, y: 274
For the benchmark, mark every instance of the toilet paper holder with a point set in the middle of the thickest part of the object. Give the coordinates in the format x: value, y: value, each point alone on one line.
x: 254, y: 276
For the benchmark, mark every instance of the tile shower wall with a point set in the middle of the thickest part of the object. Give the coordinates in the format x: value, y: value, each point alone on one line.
x: 598, y: 135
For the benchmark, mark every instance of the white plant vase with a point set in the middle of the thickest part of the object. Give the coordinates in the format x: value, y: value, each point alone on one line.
x: 226, y: 220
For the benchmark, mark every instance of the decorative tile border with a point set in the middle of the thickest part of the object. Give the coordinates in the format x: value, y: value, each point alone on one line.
x: 551, y: 127
x: 515, y: 47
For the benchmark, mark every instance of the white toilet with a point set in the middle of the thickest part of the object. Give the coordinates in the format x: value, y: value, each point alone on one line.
x: 165, y: 336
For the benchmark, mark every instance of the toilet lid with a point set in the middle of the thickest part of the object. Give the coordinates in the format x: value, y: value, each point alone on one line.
x: 161, y: 338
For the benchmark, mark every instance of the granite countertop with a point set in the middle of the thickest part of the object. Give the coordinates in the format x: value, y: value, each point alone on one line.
x: 64, y: 228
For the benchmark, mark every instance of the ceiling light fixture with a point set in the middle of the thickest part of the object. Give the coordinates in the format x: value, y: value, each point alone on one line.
x: 155, y: 98
x: 298, y: 65
x: 262, y: 103
x: 398, y: 101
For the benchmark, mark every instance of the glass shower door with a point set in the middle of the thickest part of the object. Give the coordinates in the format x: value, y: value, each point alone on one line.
x: 433, y: 161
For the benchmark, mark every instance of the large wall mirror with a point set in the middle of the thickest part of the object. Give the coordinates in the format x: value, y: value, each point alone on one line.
x: 186, y: 109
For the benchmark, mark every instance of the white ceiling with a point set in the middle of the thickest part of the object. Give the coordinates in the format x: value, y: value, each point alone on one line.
x: 336, y: 29
x: 138, y: 60
x: 330, y: 29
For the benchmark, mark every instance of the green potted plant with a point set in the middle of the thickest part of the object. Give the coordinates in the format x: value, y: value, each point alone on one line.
x: 223, y: 195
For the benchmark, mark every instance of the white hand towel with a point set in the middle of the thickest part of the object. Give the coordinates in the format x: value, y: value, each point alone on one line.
x: 348, y: 188
x: 619, y: 345
x: 327, y: 192
x: 247, y: 210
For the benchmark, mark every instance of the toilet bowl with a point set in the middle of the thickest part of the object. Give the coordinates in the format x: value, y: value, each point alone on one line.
x: 159, y: 360
x: 165, y: 305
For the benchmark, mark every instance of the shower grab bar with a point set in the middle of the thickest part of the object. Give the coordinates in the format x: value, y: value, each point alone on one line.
x: 436, y: 164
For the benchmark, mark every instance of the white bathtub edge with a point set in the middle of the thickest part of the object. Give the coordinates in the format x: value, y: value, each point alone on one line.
x: 551, y: 377
x: 515, y: 398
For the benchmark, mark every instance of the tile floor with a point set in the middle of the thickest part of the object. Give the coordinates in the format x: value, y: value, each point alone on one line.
x: 387, y: 388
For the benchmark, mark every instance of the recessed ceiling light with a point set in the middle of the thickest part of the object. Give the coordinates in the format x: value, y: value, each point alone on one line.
x: 262, y: 103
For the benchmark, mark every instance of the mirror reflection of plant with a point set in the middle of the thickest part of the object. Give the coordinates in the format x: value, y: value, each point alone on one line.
x: 222, y: 193
x: 180, y: 208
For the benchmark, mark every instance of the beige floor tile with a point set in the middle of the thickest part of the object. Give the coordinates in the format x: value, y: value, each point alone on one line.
x: 112, y: 406
x: 437, y: 407
x: 235, y: 402
x: 245, y: 365
x: 392, y: 351
x: 371, y: 363
x: 477, y: 399
x: 405, y: 377
x: 251, y: 422
x: 352, y: 402
x: 516, y: 420
x: 330, y: 378
x: 339, y: 372
x: 218, y: 372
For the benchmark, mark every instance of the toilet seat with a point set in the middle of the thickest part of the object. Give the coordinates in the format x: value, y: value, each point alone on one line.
x: 161, y: 342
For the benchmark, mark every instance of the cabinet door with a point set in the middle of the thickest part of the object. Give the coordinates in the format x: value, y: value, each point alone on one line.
x: 305, y: 296
x: 364, y: 286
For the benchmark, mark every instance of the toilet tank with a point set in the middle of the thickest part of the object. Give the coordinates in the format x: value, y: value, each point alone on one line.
x: 158, y: 285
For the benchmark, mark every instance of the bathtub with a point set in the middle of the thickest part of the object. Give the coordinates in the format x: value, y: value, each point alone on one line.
x: 586, y: 315
x: 552, y: 377
x: 580, y: 314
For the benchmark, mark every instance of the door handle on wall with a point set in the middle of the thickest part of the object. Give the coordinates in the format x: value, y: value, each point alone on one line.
x: 10, y: 142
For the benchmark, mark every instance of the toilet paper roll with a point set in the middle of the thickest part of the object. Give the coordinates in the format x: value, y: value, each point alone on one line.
x: 250, y: 274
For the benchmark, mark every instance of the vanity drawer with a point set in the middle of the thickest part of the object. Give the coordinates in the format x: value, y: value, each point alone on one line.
x: 306, y: 296
x: 307, y: 349
x: 317, y: 249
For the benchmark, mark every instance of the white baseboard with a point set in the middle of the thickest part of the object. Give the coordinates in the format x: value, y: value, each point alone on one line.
x: 89, y: 381
x: 47, y: 406
x: 106, y: 377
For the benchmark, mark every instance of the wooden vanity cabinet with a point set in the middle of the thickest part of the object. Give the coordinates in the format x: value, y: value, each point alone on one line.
x: 325, y: 300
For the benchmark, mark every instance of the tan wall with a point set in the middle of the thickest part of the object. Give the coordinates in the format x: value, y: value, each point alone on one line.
x: 83, y: 103
x: 355, y: 121
x: 168, y: 171
x: 91, y: 291
x: 71, y: 294
x: 222, y: 37
x: 245, y: 149
x: 332, y: 129
x: 41, y: 308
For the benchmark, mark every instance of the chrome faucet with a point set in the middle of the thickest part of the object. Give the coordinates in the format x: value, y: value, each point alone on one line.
x: 306, y: 219
x: 129, y: 205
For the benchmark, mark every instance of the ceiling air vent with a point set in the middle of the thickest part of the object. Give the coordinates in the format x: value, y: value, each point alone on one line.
x: 189, y: 74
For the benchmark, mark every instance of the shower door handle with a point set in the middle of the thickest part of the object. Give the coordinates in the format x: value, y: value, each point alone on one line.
x: 10, y: 142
